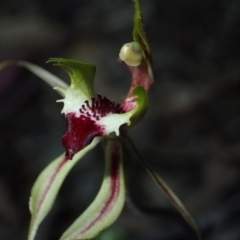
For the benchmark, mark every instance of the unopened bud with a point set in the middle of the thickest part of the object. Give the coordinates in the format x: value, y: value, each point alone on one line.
x: 132, y: 54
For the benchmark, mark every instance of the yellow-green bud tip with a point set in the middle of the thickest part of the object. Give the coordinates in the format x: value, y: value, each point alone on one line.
x: 132, y: 54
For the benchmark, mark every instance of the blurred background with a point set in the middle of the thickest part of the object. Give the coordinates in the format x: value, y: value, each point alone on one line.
x: 190, y: 135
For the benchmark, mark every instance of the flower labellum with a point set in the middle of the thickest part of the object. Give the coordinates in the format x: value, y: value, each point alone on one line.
x: 81, y: 130
x: 89, y: 116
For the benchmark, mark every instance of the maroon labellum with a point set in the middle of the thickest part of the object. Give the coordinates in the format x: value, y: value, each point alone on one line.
x: 82, y: 129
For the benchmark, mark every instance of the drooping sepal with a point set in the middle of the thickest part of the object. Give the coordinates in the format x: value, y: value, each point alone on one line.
x: 47, y: 185
x: 164, y: 187
x: 109, y: 202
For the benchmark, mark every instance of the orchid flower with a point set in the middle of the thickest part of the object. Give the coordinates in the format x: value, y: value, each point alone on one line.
x: 90, y: 119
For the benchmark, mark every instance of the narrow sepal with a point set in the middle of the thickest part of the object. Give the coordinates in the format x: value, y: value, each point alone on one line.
x: 46, y: 76
x: 109, y: 202
x: 165, y: 188
x: 139, y: 34
x: 47, y: 185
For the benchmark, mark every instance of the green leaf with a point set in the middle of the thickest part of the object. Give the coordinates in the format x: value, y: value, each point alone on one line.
x: 47, y: 185
x: 81, y: 74
x: 46, y: 76
x: 165, y: 188
x: 139, y: 34
x: 108, y: 203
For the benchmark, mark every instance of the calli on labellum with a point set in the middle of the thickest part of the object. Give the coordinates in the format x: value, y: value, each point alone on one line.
x: 90, y: 119
x: 89, y: 116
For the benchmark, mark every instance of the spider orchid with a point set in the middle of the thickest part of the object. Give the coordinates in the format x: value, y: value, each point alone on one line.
x: 90, y: 119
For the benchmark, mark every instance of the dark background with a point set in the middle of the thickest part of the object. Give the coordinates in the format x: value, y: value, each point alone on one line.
x: 190, y: 134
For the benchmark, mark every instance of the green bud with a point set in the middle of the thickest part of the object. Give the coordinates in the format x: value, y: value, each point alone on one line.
x: 132, y: 54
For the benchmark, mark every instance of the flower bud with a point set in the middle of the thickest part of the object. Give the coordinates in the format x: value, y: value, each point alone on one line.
x: 132, y: 54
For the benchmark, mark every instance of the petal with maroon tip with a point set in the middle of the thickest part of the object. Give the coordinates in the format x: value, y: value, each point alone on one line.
x: 109, y: 202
